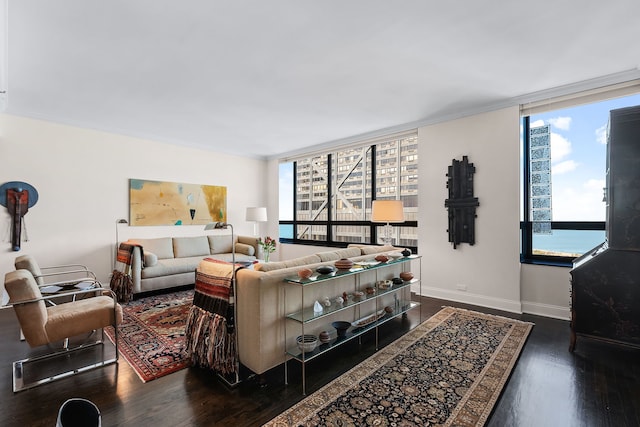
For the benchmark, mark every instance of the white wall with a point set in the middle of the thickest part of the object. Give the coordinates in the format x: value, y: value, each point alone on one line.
x: 490, y: 269
x: 82, y: 179
x: 546, y: 290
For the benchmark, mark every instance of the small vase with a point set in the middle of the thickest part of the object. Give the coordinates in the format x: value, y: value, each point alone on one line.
x: 266, y: 256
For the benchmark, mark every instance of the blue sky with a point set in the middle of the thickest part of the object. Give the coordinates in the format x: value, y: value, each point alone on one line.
x: 578, y: 158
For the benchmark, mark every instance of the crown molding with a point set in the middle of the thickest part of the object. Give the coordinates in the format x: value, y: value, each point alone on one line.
x: 571, y: 88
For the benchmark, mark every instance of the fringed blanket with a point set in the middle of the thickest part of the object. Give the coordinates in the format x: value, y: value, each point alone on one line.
x: 121, y: 281
x: 125, y: 253
x: 210, y: 329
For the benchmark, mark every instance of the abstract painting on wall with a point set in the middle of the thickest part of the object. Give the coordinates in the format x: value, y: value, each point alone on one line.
x: 173, y: 203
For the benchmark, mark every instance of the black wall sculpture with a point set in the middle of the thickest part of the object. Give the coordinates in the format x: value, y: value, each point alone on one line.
x: 461, y: 203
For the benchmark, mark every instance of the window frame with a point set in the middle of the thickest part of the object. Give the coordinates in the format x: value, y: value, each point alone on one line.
x: 330, y: 223
x: 526, y: 225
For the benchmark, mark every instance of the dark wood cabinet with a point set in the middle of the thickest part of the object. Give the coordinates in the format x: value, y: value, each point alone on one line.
x: 605, y: 282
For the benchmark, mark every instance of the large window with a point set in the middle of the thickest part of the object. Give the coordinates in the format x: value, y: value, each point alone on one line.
x: 325, y: 198
x: 563, y: 177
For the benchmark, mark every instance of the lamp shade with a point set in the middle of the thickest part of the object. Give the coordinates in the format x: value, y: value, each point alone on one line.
x: 387, y: 211
x: 256, y: 214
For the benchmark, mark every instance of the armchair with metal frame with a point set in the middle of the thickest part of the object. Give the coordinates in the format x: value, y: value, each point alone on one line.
x: 48, y: 325
x: 52, y: 278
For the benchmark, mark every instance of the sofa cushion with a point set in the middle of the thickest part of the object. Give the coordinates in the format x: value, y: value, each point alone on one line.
x: 162, y: 246
x: 219, y: 243
x: 167, y: 267
x: 372, y: 249
x: 270, y: 266
x: 296, y: 262
x: 150, y: 259
x: 184, y: 247
x: 338, y: 254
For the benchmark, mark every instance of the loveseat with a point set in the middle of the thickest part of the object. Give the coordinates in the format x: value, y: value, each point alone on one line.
x: 263, y: 300
x: 172, y: 261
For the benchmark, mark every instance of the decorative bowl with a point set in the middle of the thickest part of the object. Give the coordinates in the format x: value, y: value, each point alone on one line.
x: 406, y: 252
x: 357, y: 295
x: 406, y: 276
x: 341, y: 326
x: 395, y: 255
x: 307, y: 343
x: 370, y: 290
x: 388, y: 309
x: 325, y: 269
x: 397, y: 281
x: 344, y: 264
x: 324, y: 337
x: 305, y: 273
x: 384, y: 284
x: 382, y: 258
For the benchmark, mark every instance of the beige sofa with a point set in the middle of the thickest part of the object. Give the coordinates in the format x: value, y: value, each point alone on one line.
x: 172, y: 261
x: 264, y: 298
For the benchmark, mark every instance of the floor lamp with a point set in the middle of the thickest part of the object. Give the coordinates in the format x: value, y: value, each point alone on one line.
x: 224, y: 226
x: 118, y: 223
x: 256, y: 215
x: 388, y: 211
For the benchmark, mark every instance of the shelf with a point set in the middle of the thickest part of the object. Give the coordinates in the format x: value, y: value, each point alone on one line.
x: 401, y: 308
x: 357, y: 268
x: 308, y: 315
x: 401, y: 304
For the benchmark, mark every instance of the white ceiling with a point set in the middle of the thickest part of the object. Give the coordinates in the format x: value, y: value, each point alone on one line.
x: 266, y: 77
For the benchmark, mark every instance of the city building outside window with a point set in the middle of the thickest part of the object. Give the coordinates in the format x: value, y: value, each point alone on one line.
x: 563, y: 178
x: 325, y: 198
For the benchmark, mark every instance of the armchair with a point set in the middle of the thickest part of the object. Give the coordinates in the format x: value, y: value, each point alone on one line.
x: 46, y: 325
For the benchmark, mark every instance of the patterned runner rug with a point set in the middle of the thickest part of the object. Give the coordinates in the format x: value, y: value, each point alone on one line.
x: 151, y: 337
x: 448, y: 371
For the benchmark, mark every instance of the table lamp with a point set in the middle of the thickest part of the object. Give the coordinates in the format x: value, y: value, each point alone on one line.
x: 256, y: 215
x: 387, y: 211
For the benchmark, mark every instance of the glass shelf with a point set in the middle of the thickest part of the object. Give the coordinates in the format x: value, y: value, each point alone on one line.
x: 307, y: 314
x: 358, y: 267
x: 401, y: 307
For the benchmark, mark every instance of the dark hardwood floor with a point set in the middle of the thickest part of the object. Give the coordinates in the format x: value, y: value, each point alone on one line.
x: 598, y: 385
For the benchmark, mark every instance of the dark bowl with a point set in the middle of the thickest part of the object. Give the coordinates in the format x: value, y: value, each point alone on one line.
x: 341, y: 326
x: 325, y: 269
x: 397, y: 281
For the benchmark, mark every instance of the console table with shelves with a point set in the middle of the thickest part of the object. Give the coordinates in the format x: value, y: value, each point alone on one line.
x: 367, y: 310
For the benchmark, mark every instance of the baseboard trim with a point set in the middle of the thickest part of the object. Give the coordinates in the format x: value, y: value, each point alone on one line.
x: 546, y: 310
x: 475, y: 299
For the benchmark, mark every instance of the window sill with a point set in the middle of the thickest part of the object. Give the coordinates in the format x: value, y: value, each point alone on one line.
x: 548, y: 263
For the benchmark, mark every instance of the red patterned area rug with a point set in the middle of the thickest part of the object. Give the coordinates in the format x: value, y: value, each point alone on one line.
x: 448, y: 371
x: 151, y: 337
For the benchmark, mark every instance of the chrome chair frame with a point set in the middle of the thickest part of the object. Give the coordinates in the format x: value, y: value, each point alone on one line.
x: 19, y: 365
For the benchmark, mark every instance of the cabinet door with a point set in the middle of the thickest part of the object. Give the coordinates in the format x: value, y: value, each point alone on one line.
x: 623, y: 179
x: 606, y: 297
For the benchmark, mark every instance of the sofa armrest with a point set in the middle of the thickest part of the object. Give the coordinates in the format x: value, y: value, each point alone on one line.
x: 136, y: 269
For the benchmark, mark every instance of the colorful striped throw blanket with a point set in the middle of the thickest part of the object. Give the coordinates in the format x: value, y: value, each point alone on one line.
x: 210, y: 329
x: 121, y: 282
x: 125, y: 254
